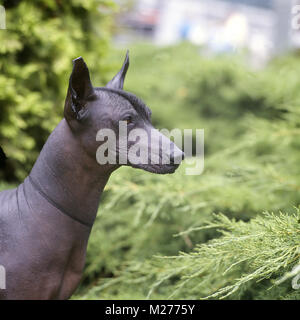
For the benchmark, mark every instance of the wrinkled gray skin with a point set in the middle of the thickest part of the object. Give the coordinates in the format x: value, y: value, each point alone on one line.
x: 46, y: 221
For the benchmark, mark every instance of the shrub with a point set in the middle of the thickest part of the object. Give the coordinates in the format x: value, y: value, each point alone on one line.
x: 145, y: 221
x: 36, y: 53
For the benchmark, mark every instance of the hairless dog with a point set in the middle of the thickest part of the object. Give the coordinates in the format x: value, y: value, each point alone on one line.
x: 46, y: 221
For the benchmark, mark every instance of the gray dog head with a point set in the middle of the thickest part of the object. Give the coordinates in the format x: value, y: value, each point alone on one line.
x: 110, y: 109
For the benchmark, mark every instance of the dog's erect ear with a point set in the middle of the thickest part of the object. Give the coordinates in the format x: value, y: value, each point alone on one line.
x: 79, y: 91
x: 118, y: 81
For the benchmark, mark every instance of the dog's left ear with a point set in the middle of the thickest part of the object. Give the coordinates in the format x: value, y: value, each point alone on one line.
x: 118, y: 81
x: 79, y: 91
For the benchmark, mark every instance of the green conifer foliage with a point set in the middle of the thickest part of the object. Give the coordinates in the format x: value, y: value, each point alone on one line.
x: 232, y: 232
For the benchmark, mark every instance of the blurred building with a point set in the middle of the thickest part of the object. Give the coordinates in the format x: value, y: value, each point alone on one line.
x: 263, y: 27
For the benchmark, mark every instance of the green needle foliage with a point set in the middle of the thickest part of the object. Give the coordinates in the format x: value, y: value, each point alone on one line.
x: 206, y: 237
x: 242, y: 263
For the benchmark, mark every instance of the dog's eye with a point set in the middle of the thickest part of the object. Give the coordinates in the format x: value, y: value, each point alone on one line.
x: 128, y: 120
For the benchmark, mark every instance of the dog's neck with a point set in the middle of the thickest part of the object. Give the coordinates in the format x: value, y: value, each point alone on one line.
x: 68, y: 177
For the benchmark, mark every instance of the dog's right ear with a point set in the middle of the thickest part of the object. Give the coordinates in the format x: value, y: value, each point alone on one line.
x: 79, y: 92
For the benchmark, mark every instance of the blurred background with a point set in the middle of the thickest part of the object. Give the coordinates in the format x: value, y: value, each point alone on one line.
x: 230, y: 67
x: 263, y: 28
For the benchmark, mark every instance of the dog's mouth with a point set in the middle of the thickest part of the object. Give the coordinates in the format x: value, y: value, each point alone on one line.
x: 155, y: 168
